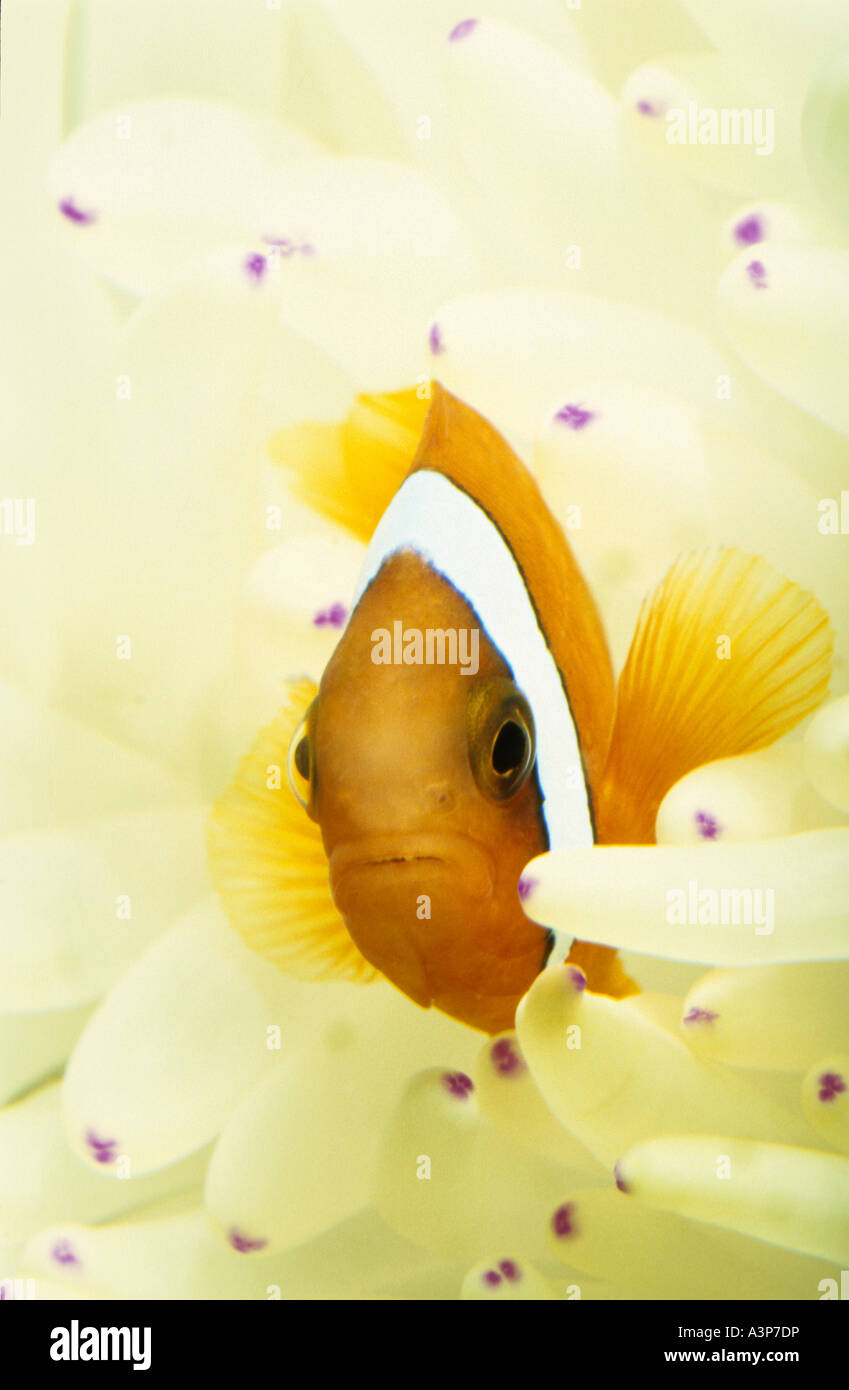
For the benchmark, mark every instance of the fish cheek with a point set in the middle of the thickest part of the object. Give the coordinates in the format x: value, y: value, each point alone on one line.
x: 525, y: 837
x: 344, y: 726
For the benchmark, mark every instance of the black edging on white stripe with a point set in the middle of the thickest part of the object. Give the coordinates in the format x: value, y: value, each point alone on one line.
x: 439, y: 520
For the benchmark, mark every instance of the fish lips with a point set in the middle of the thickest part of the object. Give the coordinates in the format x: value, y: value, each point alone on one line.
x: 376, y: 882
x: 410, y: 856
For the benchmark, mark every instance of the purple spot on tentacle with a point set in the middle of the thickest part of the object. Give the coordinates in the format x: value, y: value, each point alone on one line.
x: 331, y: 617
x: 563, y: 1220
x: 463, y: 29
x: 650, y: 108
x: 458, y: 1084
x: 526, y: 887
x: 435, y: 341
x: 575, y: 416
x: 756, y: 271
x: 491, y: 1277
x: 831, y: 1085
x: 577, y: 977
x: 749, y: 231
x: 709, y: 826
x: 700, y: 1016
x: 102, y: 1150
x: 506, y: 1058
x: 255, y: 266
x: 63, y: 1253
x: 69, y: 209
x: 620, y: 1181
x: 510, y: 1270
x: 244, y: 1244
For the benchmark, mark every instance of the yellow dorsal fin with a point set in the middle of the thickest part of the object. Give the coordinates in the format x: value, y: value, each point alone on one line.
x: 268, y: 864
x: 350, y: 472
x: 728, y: 655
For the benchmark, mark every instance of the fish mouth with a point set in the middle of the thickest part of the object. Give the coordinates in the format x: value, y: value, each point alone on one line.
x: 453, y: 854
x: 376, y: 881
x: 406, y: 859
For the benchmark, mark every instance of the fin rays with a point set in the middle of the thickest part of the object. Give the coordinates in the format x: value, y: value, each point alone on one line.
x: 268, y: 863
x: 349, y: 472
x: 682, y: 702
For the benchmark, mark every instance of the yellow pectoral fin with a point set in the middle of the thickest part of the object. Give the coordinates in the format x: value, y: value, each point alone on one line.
x: 268, y: 864
x: 728, y: 655
x: 604, y: 970
x: 350, y: 472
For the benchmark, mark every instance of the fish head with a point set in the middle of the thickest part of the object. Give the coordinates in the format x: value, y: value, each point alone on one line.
x: 421, y: 776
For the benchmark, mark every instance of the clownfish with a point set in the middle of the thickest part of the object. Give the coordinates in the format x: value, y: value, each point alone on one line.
x: 468, y: 720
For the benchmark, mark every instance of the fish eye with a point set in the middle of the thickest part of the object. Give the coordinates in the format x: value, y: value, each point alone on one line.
x: 301, y: 761
x: 501, y: 738
x: 510, y: 749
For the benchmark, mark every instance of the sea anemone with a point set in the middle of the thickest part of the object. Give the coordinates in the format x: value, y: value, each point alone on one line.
x: 236, y: 236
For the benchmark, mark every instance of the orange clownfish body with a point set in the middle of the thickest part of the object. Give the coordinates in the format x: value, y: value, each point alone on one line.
x: 468, y: 721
